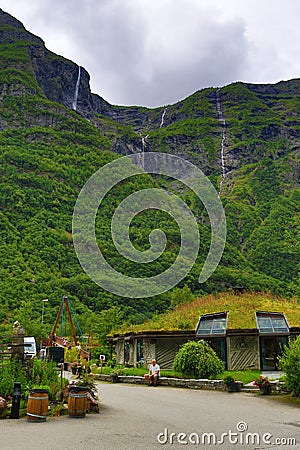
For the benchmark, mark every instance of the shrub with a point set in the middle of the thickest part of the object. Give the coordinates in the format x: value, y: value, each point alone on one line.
x: 228, y: 379
x: 197, y: 359
x: 10, y: 371
x: 43, y: 375
x: 289, y: 362
x: 42, y: 372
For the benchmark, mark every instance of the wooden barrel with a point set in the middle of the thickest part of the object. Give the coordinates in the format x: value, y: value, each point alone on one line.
x: 77, y: 401
x: 37, y: 406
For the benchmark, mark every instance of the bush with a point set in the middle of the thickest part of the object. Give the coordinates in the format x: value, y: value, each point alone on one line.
x: 198, y: 359
x: 10, y: 371
x: 228, y: 379
x: 289, y: 362
x: 43, y: 375
x: 42, y: 372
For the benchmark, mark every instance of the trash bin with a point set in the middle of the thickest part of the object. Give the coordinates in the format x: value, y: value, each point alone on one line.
x: 15, y: 406
x: 77, y: 401
x: 37, y: 406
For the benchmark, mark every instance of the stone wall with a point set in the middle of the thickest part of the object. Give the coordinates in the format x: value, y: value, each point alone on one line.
x: 205, y: 384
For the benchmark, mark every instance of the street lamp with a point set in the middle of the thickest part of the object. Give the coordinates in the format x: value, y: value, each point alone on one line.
x: 43, y: 312
x: 43, y: 308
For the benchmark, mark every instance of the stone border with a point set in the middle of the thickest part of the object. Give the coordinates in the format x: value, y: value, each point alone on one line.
x: 205, y: 384
x: 216, y: 385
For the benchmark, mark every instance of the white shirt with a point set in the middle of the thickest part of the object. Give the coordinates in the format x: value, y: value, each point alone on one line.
x: 153, y: 369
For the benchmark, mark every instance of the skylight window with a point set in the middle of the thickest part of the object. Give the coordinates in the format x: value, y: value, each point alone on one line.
x: 212, y: 324
x: 270, y: 323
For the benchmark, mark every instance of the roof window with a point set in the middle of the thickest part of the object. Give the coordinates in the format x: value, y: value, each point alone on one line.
x: 212, y: 325
x: 271, y: 323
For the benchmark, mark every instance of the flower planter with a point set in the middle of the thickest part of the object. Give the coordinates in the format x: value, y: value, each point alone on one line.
x: 3, y: 406
x: 114, y: 378
x: 37, y: 405
x: 265, y: 390
x: 77, y: 401
x: 233, y: 387
x: 263, y: 383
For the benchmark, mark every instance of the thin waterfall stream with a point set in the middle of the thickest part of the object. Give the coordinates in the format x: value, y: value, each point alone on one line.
x: 144, y: 147
x: 163, y: 118
x: 222, y: 120
x: 74, y: 104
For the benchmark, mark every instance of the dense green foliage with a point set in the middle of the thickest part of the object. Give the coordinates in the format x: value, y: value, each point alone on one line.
x: 290, y: 363
x: 36, y: 374
x: 245, y: 376
x: 49, y: 151
x: 197, y: 359
x: 11, y: 371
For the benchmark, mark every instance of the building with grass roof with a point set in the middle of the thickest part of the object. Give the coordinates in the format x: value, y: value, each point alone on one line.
x: 247, y: 331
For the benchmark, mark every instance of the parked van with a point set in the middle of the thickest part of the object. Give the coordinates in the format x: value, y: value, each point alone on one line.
x: 29, y: 347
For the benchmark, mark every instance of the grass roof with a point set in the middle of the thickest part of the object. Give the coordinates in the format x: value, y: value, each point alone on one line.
x: 241, y: 309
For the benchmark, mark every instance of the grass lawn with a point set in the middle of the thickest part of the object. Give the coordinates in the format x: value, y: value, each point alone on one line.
x: 246, y: 376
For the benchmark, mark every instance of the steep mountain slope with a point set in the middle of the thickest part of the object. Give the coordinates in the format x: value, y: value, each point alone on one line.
x: 55, y: 134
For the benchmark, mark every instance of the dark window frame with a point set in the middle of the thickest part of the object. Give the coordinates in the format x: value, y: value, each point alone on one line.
x: 211, y: 325
x: 269, y: 323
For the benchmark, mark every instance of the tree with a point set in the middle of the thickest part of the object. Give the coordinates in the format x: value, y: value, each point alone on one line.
x: 197, y: 359
x: 290, y: 363
x: 107, y: 321
x: 180, y: 296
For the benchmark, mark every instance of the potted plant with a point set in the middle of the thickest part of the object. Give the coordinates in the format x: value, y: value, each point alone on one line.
x: 114, y: 376
x: 3, y: 406
x: 264, y: 385
x: 74, y: 368
x: 231, y: 384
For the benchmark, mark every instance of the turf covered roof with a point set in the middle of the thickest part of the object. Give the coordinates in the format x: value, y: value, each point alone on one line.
x: 241, y: 312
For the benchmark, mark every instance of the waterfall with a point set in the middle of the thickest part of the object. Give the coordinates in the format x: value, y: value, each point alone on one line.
x: 74, y: 104
x: 144, y: 142
x: 222, y: 120
x: 222, y: 149
x: 144, y: 148
x: 163, y: 118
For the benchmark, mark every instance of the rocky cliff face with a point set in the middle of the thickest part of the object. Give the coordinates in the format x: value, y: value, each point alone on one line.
x: 12, y: 29
x: 55, y: 134
x: 260, y: 119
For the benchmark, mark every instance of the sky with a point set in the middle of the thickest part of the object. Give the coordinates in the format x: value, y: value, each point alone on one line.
x: 157, y: 52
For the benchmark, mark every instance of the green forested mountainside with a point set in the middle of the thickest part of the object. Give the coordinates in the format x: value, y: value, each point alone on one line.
x: 49, y: 150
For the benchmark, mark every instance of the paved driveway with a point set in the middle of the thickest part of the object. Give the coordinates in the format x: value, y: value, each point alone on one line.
x: 140, y: 417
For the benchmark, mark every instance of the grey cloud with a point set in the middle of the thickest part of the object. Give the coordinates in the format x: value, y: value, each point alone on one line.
x: 137, y: 61
x: 157, y: 52
x: 137, y: 55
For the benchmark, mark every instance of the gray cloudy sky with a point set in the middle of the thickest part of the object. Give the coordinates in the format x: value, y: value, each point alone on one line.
x: 156, y: 52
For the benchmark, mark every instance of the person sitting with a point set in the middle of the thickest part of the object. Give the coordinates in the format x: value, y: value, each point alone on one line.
x: 154, y: 373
